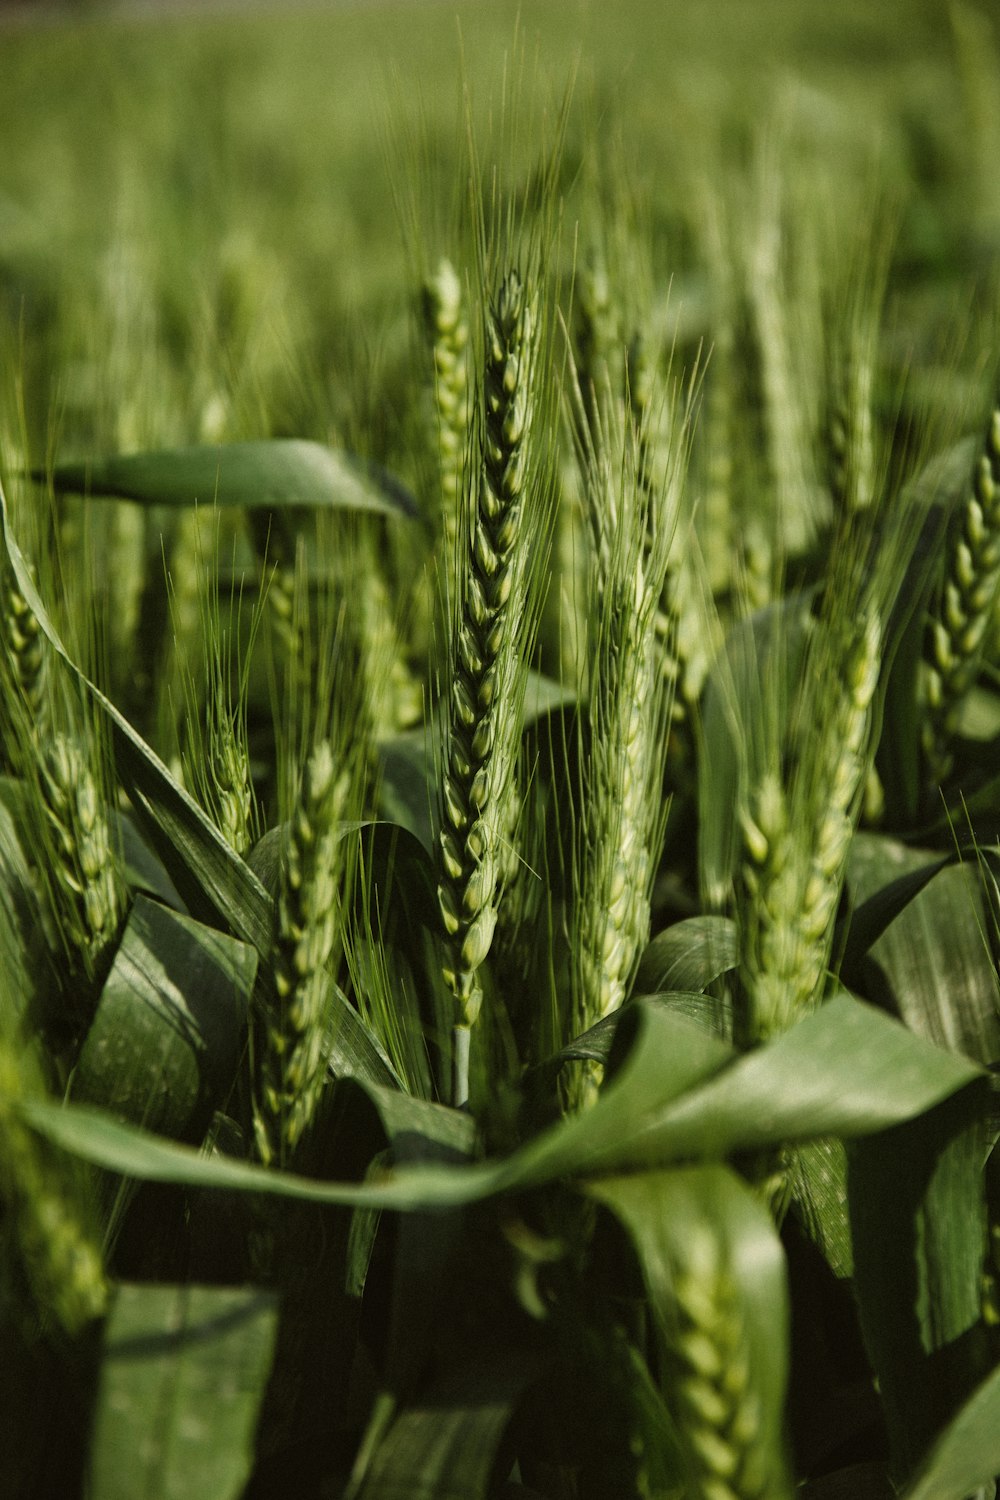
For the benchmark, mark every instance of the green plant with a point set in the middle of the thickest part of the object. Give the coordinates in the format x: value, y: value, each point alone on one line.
x: 549, y: 1051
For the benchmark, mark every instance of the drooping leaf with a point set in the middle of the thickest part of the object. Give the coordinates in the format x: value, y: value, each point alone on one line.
x: 165, y: 1041
x: 688, y: 956
x: 705, y: 1222
x: 932, y: 964
x: 966, y: 1456
x: 679, y: 1095
x: 272, y: 474
x: 183, y: 1373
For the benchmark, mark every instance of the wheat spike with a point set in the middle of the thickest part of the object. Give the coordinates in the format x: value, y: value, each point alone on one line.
x: 622, y: 797
x: 957, y: 625
x: 58, y: 1257
x: 449, y: 332
x: 84, y: 885
x: 486, y: 668
x: 308, y: 921
x: 717, y: 1413
x: 796, y: 839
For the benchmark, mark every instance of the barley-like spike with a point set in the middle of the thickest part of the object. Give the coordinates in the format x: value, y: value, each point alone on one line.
x: 82, y: 877
x: 957, y: 624
x: 308, y: 922
x: 796, y: 840
x: 228, y: 768
x: 599, y: 342
x: 60, y: 1259
x: 484, y: 724
x: 622, y: 795
x: 717, y: 1412
x: 448, y: 328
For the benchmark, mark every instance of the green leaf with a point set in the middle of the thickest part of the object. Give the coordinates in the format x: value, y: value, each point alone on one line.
x: 966, y: 1456
x: 671, y: 1218
x: 688, y: 956
x: 877, y: 911
x: 918, y: 1220
x: 933, y: 963
x: 165, y: 1041
x: 183, y: 1373
x: 275, y: 474
x: 216, y: 885
x: 445, y: 1446
x: 679, y: 1095
x: 817, y: 1176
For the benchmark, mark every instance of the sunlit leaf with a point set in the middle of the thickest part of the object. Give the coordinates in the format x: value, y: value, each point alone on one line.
x: 165, y: 1041
x: 688, y: 956
x: 933, y: 963
x: 679, y: 1095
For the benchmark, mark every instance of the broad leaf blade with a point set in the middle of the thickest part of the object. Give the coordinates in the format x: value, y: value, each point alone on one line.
x: 445, y: 1447
x: 183, y: 1374
x: 688, y: 956
x: 273, y: 474
x: 846, y: 1070
x: 966, y: 1456
x: 918, y: 1222
x: 933, y: 963
x: 166, y: 1038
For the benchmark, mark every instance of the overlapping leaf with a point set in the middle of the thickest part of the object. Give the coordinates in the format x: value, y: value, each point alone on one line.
x: 680, y: 1095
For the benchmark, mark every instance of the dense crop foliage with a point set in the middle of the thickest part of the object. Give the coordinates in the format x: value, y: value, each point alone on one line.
x: 499, y: 683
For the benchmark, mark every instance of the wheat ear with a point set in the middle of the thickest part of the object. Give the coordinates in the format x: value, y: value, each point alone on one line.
x: 85, y: 890
x: 484, y: 723
x: 448, y: 327
x: 957, y: 625
x: 717, y: 1413
x: 622, y: 803
x: 796, y: 839
x: 58, y: 1256
x: 308, y: 921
